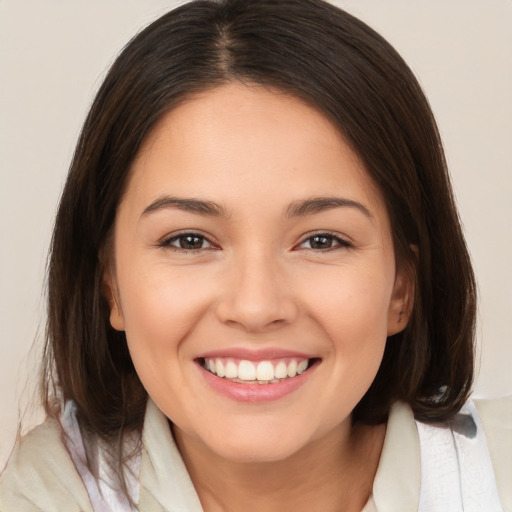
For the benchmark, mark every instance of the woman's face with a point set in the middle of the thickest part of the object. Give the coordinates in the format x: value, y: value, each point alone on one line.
x: 254, y: 274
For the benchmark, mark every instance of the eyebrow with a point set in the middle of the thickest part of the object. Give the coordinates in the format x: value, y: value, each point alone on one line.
x: 321, y: 204
x: 300, y: 208
x: 191, y: 205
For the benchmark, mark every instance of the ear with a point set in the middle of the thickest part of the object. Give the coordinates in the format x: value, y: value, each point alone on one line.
x: 111, y: 293
x: 402, y: 300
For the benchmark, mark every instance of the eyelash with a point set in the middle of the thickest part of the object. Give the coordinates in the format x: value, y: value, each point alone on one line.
x: 335, y: 239
x: 167, y: 243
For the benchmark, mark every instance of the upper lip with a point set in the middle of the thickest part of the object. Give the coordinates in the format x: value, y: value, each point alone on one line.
x: 262, y: 354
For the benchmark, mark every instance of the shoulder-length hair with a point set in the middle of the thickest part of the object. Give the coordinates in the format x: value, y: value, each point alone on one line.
x: 336, y: 63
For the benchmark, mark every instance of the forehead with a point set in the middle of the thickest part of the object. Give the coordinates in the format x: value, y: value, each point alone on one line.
x: 240, y: 142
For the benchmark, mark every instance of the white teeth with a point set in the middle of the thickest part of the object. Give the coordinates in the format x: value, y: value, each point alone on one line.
x: 246, y: 371
x: 280, y: 371
x: 301, y: 367
x: 231, y: 370
x: 219, y: 366
x: 265, y: 371
x: 292, y: 368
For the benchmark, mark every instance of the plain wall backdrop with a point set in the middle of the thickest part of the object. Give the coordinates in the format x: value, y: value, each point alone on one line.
x: 54, y: 53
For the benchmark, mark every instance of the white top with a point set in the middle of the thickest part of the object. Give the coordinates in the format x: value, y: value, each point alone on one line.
x: 423, y: 468
x: 456, y: 468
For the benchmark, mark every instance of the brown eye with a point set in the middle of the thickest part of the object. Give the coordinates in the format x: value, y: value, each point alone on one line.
x: 323, y: 241
x: 188, y: 242
x: 191, y: 242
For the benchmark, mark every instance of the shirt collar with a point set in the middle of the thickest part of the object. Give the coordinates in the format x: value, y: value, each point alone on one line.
x: 397, y: 482
x: 164, y: 480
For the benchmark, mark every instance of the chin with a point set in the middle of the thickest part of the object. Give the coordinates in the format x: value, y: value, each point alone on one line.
x: 256, y: 453
x: 258, y: 445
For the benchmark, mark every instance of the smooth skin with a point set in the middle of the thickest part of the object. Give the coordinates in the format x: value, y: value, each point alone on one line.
x: 260, y: 259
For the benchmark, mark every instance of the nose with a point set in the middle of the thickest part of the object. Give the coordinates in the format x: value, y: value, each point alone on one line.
x: 258, y: 296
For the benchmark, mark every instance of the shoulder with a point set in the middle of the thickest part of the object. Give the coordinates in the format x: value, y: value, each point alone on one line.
x: 496, y: 416
x: 40, y: 475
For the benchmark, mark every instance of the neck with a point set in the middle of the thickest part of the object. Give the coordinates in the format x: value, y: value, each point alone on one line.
x: 334, y: 473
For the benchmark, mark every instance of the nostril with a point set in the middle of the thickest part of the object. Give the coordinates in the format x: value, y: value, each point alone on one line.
x: 254, y: 324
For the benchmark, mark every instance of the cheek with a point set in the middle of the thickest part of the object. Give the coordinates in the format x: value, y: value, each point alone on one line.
x: 160, y: 306
x: 354, y: 319
x: 351, y: 306
x: 352, y: 296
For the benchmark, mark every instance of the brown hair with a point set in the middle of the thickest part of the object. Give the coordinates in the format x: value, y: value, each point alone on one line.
x: 349, y: 73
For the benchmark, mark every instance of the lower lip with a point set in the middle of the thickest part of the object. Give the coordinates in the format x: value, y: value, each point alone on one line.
x: 255, y: 393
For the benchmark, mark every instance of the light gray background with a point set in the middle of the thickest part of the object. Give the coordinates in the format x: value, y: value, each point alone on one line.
x: 52, y: 57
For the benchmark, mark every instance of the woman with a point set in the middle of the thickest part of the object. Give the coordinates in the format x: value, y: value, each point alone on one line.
x: 258, y: 282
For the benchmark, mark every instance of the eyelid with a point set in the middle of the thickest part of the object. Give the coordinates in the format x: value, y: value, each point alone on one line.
x: 165, y: 242
x: 341, y: 241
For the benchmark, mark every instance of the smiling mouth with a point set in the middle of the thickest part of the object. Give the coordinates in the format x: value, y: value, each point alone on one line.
x: 261, y: 372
